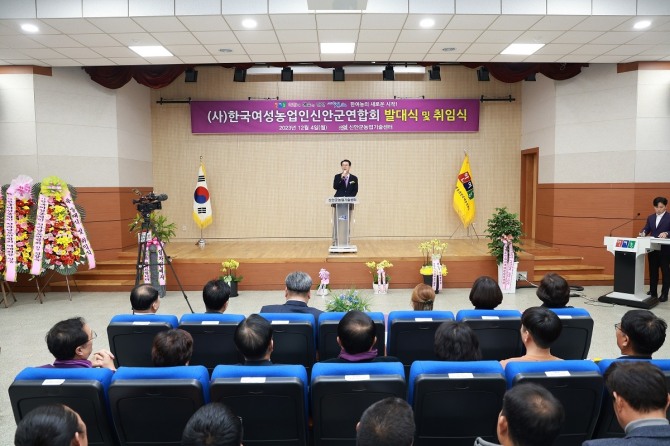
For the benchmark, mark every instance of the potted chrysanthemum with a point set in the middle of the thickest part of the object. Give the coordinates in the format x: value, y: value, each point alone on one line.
x: 229, y: 270
x: 432, y: 270
x: 380, y: 278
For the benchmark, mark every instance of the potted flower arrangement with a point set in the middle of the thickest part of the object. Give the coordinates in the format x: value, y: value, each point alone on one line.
x: 324, y: 286
x: 504, y: 233
x: 432, y: 251
x: 348, y: 300
x: 380, y: 279
x: 229, y: 270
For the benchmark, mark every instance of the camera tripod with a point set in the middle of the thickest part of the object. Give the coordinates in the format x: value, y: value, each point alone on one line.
x: 154, y: 248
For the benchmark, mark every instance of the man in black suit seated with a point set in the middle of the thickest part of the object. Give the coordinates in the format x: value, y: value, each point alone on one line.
x: 530, y: 416
x: 298, y: 285
x: 640, y: 398
x: 215, y: 295
x: 640, y: 334
x: 356, y: 337
x: 253, y: 339
x: 145, y: 299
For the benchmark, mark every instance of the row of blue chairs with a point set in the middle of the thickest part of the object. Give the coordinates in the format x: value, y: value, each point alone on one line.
x: 298, y: 338
x: 453, y: 402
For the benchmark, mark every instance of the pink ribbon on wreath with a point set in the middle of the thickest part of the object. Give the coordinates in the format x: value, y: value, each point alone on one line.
x: 38, y: 237
x: 76, y: 220
x: 508, y: 261
x: 437, y: 274
x: 20, y: 188
x: 160, y: 259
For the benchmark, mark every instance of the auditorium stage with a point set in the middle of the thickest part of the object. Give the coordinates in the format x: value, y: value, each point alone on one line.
x: 265, y: 264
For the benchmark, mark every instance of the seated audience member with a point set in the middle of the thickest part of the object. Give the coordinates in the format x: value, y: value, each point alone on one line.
x: 144, y: 299
x: 540, y: 327
x: 214, y: 424
x: 253, y: 339
x: 297, y: 295
x: 172, y: 348
x: 356, y: 338
x: 640, y: 334
x: 456, y: 341
x: 388, y: 422
x: 485, y: 293
x: 423, y: 297
x: 554, y: 291
x: 640, y: 397
x: 71, y: 343
x: 51, y: 425
x: 215, y: 295
x: 530, y: 416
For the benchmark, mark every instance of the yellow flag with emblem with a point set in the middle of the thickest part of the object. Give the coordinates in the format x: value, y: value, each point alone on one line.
x: 464, y: 194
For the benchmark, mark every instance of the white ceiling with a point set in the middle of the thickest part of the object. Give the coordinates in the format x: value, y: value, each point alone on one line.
x: 98, y: 32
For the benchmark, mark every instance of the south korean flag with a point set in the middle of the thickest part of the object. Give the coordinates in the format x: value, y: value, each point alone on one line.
x: 202, y: 208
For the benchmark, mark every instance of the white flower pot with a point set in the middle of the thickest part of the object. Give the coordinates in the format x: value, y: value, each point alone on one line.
x: 380, y: 289
x: 512, y: 284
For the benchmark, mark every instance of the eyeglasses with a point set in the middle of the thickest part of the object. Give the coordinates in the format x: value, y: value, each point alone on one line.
x: 93, y: 336
x: 617, y: 326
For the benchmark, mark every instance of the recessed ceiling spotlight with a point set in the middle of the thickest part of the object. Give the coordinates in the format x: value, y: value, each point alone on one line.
x: 29, y: 28
x: 448, y: 49
x: 642, y: 24
x: 522, y: 49
x: 337, y: 48
x: 427, y: 23
x: 225, y: 50
x: 249, y: 23
x: 151, y: 51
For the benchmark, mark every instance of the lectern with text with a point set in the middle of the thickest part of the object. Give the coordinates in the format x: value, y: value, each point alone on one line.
x: 629, y: 256
x: 342, y: 209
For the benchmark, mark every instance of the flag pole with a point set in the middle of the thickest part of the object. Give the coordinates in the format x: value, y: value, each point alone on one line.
x: 201, y: 243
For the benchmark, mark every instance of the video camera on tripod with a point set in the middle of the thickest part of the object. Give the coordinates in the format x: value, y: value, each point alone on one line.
x: 149, y: 202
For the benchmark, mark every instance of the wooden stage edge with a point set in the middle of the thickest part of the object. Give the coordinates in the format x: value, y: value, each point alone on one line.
x: 265, y: 264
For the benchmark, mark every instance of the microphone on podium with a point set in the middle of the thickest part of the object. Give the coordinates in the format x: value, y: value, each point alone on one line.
x: 624, y: 223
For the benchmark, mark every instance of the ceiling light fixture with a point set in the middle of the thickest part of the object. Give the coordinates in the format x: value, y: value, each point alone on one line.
x: 249, y: 23
x: 151, y: 51
x: 338, y: 48
x: 225, y: 50
x: 522, y: 49
x: 448, y: 49
x: 642, y: 24
x: 29, y: 28
x: 427, y: 23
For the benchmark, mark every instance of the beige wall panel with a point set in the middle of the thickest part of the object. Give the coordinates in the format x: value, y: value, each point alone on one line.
x: 275, y: 186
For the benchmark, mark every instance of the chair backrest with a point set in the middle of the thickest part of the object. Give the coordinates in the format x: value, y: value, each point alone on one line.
x: 577, y: 384
x: 151, y: 405
x: 411, y: 335
x: 498, y: 332
x: 341, y: 392
x: 575, y: 339
x: 272, y: 401
x: 131, y: 336
x: 608, y: 425
x: 213, y: 338
x: 294, y: 338
x: 83, y: 390
x: 327, y: 333
x: 456, y: 402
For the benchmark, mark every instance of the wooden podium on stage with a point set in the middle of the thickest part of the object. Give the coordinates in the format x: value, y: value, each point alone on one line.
x: 629, y: 255
x: 342, y: 207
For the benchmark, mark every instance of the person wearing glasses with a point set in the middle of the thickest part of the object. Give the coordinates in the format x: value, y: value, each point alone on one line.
x: 639, y: 334
x: 71, y: 343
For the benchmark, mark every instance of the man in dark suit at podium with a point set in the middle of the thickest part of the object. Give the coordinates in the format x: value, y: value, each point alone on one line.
x: 344, y: 183
x: 658, y: 225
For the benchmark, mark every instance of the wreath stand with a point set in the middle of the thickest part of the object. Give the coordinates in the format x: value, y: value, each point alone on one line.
x: 4, y: 284
x: 40, y: 292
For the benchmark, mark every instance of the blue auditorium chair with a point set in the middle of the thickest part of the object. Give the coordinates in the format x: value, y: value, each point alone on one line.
x: 575, y: 339
x: 83, y: 390
x: 271, y: 400
x: 294, y: 337
x: 151, y: 405
x: 131, y: 336
x: 327, y: 333
x: 340, y: 393
x: 213, y: 338
x: 411, y: 335
x: 577, y: 384
x: 608, y: 425
x: 498, y: 331
x: 455, y: 402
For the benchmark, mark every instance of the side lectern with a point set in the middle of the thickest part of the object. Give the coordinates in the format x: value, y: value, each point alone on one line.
x: 629, y: 254
x: 342, y: 207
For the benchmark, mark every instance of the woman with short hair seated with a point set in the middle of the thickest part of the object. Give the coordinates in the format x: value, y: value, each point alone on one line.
x: 456, y: 341
x: 485, y: 293
x: 172, y: 348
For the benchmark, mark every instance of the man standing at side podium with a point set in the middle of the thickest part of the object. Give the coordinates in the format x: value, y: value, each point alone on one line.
x: 658, y: 225
x: 345, y: 184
